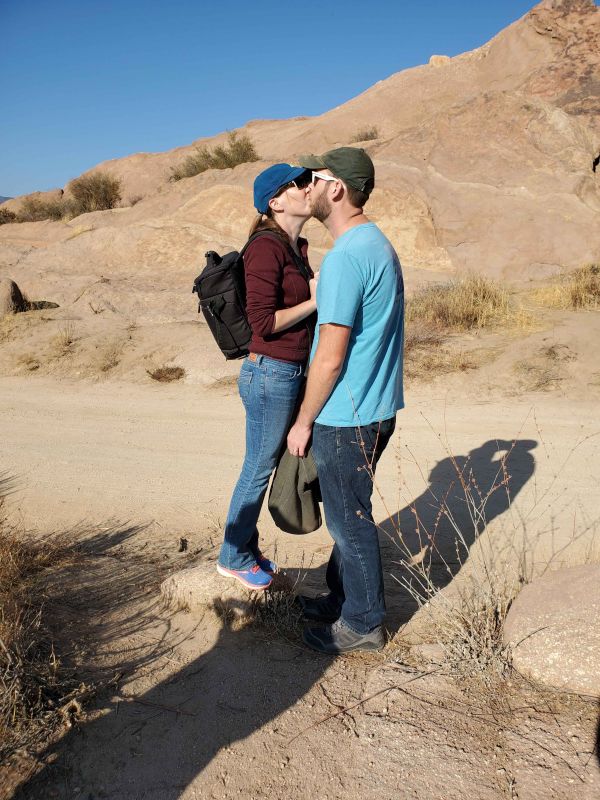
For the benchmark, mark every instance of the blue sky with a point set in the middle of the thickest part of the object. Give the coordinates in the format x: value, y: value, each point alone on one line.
x: 86, y: 81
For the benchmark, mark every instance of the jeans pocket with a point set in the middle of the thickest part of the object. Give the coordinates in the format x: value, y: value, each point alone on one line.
x: 286, y: 374
x: 244, y: 380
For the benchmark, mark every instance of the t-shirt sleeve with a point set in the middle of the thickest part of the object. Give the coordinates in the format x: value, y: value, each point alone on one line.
x: 340, y: 290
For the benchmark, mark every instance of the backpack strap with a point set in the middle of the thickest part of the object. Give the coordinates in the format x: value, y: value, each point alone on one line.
x: 296, y: 258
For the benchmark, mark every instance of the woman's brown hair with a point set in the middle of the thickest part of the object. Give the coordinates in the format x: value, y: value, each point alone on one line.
x: 265, y: 222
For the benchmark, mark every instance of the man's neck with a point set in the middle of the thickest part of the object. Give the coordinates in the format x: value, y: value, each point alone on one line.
x: 340, y: 224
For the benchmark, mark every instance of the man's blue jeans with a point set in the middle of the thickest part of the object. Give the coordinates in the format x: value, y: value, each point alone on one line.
x: 346, y: 459
x: 269, y: 390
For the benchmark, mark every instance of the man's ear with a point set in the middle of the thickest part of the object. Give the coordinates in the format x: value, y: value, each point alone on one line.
x: 338, y: 190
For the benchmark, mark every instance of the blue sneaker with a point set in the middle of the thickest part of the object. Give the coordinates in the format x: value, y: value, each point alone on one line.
x: 265, y: 563
x: 252, y: 578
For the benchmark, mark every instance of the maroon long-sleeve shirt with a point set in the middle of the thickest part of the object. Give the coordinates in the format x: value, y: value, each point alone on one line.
x: 273, y: 282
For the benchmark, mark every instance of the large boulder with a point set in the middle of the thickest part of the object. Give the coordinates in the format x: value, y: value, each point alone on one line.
x: 552, y: 628
x: 11, y: 298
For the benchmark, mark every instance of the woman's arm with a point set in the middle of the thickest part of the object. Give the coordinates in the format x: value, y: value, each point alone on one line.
x: 286, y: 317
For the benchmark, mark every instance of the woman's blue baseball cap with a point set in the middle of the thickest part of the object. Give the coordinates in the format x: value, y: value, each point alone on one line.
x: 270, y: 180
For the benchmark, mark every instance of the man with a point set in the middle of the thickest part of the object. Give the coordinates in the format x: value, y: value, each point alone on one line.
x: 353, y: 391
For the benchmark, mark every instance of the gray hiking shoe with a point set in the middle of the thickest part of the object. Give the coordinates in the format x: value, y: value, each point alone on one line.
x: 318, y: 609
x: 339, y: 638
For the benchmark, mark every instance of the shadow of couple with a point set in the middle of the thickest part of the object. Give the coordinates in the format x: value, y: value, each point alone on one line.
x: 156, y: 747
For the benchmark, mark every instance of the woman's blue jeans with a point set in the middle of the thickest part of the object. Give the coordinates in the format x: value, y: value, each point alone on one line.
x: 269, y: 390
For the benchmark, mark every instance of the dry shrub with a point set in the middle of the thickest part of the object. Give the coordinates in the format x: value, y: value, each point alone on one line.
x: 34, y: 209
x: 577, y: 290
x: 366, y: 134
x: 469, y: 625
x: 238, y: 150
x: 166, y: 374
x: 37, y: 689
x: 469, y: 303
x: 97, y: 192
x: 7, y: 216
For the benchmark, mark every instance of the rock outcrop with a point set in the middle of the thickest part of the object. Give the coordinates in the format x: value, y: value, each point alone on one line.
x: 552, y: 628
x: 11, y: 298
x: 485, y: 162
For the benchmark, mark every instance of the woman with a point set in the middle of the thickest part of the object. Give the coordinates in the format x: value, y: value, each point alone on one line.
x: 280, y: 303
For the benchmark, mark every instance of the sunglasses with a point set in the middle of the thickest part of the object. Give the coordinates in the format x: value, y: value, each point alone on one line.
x: 300, y: 183
x: 320, y: 176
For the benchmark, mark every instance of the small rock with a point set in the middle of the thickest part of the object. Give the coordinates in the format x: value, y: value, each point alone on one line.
x: 202, y: 588
x: 11, y: 298
x: 438, y: 61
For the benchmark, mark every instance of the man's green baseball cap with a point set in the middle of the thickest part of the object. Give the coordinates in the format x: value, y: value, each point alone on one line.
x: 351, y: 164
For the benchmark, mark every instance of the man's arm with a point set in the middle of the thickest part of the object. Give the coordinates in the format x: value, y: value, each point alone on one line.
x: 324, y: 371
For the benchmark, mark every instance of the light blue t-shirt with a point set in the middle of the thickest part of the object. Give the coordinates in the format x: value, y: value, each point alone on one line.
x: 361, y: 286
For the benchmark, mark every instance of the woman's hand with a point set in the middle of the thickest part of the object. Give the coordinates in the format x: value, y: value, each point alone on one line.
x: 312, y: 286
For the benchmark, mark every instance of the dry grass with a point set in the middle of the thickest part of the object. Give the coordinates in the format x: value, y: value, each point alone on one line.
x: 64, y: 339
x: 469, y: 625
x: 365, y: 134
x: 29, y: 362
x: 472, y: 302
x: 37, y: 690
x: 543, y: 371
x: 166, y: 374
x: 238, y: 150
x: 438, y: 312
x: 578, y: 290
x: 226, y: 384
x: 110, y: 353
x: 426, y: 366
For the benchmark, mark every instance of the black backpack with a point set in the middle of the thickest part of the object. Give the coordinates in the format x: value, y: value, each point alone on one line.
x: 221, y: 290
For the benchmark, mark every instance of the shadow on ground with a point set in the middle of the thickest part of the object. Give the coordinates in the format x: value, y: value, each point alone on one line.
x: 157, y: 745
x: 463, y: 492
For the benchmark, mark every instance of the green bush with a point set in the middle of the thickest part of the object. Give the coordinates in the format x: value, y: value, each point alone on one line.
x: 238, y: 150
x: 366, y: 134
x: 97, y: 192
x: 7, y: 216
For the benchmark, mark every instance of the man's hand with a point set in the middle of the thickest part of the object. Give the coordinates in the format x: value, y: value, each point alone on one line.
x: 298, y: 438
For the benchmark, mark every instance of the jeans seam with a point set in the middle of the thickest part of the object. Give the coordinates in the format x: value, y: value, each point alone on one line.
x: 259, y: 400
x: 347, y: 519
x: 256, y: 465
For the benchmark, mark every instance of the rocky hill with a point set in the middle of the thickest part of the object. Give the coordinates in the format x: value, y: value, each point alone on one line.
x: 486, y: 162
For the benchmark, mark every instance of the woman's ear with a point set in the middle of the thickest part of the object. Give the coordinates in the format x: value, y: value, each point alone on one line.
x: 275, y: 204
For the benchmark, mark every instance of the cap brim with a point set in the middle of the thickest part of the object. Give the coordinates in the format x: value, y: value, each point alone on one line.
x: 312, y: 162
x: 294, y: 173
